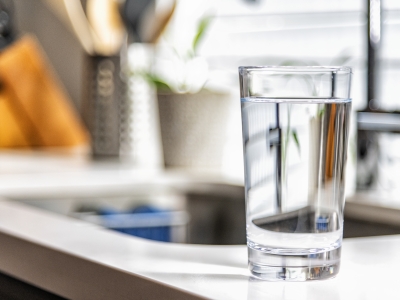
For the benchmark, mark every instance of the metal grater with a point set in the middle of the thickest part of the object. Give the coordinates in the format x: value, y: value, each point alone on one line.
x: 102, y: 104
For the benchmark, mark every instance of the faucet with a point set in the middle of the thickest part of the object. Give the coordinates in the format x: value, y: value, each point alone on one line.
x: 371, y: 121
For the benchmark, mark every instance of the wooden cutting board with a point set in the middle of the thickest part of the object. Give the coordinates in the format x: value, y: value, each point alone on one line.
x: 35, y: 111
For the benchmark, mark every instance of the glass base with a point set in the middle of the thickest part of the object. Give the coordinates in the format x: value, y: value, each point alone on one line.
x: 275, y: 267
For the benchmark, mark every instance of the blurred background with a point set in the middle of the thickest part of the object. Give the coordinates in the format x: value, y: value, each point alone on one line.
x: 122, y: 111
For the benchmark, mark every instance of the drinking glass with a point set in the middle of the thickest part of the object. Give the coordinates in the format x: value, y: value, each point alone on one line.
x: 295, y: 123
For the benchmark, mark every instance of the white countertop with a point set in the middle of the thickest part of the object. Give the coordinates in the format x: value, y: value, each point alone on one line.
x: 29, y: 175
x: 123, y: 267
x: 43, y: 175
x: 81, y: 261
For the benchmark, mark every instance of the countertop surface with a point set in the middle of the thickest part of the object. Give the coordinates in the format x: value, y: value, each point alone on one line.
x: 78, y: 260
x: 369, y: 268
x: 29, y: 175
x: 44, y: 175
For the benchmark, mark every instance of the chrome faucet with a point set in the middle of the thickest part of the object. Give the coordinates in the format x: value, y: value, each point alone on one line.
x: 371, y: 121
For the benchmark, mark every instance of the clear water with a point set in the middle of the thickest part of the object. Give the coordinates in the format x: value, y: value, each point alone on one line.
x: 295, y: 154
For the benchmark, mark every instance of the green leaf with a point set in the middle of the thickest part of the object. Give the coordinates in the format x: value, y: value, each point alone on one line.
x: 201, y: 29
x: 296, y: 140
x: 160, y: 84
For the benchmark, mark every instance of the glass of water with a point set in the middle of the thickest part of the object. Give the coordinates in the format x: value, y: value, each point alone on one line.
x: 295, y: 123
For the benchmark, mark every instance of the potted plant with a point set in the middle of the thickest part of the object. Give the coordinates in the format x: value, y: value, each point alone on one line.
x: 193, y: 118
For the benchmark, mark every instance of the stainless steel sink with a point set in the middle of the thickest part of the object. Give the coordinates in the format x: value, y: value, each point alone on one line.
x: 217, y: 214
x: 219, y: 219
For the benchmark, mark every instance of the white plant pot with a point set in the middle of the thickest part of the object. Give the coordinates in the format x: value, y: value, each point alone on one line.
x: 194, y: 129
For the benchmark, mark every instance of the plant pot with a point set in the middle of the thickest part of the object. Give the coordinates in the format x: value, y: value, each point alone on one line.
x: 194, y: 129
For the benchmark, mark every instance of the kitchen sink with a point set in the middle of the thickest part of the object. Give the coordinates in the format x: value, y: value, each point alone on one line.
x: 216, y: 214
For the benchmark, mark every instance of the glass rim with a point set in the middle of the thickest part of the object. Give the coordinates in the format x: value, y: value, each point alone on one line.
x: 344, y: 69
